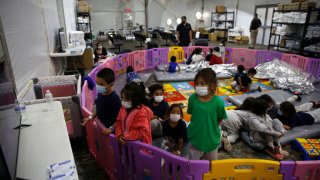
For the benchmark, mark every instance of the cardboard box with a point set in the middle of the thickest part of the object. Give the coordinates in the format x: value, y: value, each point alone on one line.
x: 213, y: 37
x: 221, y: 33
x: 83, y: 6
x: 221, y: 8
x: 295, y: 6
x: 242, y: 39
x: 286, y: 7
x: 307, y: 5
x: 280, y: 7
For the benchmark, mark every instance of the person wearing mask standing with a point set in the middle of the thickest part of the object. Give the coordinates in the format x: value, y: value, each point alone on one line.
x: 255, y: 24
x: 184, y: 32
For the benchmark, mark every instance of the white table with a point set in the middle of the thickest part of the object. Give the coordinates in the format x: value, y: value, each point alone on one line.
x: 71, y: 52
x: 44, y: 143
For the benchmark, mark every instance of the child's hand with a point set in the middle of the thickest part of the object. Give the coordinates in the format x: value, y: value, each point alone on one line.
x: 107, y: 131
x: 176, y: 153
x: 278, y: 134
x: 122, y: 140
x: 85, y: 121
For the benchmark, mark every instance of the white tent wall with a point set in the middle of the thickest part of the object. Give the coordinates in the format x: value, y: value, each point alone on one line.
x: 109, y: 14
x: 30, y: 28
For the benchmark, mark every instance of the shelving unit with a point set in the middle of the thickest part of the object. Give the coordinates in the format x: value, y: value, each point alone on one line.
x: 215, y: 19
x: 84, y: 24
x: 295, y: 43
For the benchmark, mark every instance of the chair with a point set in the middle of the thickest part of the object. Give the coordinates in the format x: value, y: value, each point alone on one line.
x: 114, y: 42
x: 139, y: 37
x: 164, y: 36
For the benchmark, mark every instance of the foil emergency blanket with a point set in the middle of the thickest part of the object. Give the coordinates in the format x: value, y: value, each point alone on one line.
x: 218, y: 68
x: 285, y: 76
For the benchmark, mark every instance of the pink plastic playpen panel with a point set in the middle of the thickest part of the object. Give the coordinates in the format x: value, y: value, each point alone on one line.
x: 307, y: 169
x: 227, y: 55
x: 264, y: 56
x: 244, y: 56
x: 314, y: 67
x: 120, y: 64
x: 296, y: 60
x: 137, y: 60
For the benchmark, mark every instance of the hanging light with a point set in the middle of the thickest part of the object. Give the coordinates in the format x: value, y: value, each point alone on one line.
x: 169, y: 21
x: 179, y: 21
x: 198, y: 15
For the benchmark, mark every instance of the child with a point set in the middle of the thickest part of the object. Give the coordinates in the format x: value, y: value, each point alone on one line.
x: 292, y: 118
x: 236, y: 120
x: 197, y: 57
x: 107, y: 100
x: 159, y: 107
x: 208, y: 57
x: 132, y: 76
x: 216, y: 56
x: 240, y: 73
x: 265, y: 130
x: 133, y: 121
x: 222, y: 45
x: 207, y: 112
x: 243, y: 83
x: 172, y: 65
x: 273, y: 108
x: 175, y: 132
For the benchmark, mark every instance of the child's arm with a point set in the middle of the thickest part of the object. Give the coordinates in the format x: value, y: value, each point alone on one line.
x: 140, y: 129
x: 248, y: 87
x: 219, y: 121
x: 255, y: 124
x: 286, y: 127
x: 87, y: 119
x: 240, y: 82
x: 180, y: 145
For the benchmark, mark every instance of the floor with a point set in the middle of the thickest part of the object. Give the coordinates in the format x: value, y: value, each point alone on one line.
x: 88, y: 169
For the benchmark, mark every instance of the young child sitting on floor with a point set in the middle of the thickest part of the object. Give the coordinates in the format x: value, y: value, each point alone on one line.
x: 173, y: 65
x: 175, y: 132
x: 132, y: 76
x: 236, y: 120
x: 216, y: 57
x: 198, y: 56
x: 292, y: 118
x: 208, y: 57
x: 243, y: 82
x: 159, y: 107
x: 133, y: 121
x: 265, y: 130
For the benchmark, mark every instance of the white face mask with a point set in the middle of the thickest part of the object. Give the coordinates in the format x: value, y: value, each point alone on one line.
x: 175, y: 117
x: 202, y: 90
x: 280, y: 113
x: 158, y: 98
x: 100, y: 47
x: 220, y: 44
x: 126, y: 104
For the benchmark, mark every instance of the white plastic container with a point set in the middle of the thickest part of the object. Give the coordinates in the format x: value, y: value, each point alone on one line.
x: 49, y: 100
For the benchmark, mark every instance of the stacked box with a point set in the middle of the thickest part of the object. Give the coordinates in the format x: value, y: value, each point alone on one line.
x: 307, y: 5
x: 221, y: 8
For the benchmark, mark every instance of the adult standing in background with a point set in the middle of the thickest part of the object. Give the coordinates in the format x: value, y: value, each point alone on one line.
x: 184, y: 32
x: 255, y: 24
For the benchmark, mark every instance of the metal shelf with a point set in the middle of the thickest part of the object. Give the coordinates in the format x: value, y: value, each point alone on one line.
x: 289, y: 23
x: 287, y: 35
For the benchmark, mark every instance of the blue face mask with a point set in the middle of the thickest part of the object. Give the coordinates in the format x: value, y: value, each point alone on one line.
x: 101, y: 89
x: 280, y: 113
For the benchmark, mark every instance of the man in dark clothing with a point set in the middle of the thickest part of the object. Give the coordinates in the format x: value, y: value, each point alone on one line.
x: 184, y: 32
x: 255, y: 24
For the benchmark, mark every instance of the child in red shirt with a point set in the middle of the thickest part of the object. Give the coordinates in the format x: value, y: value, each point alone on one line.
x: 216, y: 57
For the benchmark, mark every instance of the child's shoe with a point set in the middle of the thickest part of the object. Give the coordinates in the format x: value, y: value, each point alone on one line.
x: 274, y: 153
x: 316, y: 104
x: 226, y: 144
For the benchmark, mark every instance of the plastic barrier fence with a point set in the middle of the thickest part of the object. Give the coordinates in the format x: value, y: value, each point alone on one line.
x: 136, y: 160
x: 178, y: 52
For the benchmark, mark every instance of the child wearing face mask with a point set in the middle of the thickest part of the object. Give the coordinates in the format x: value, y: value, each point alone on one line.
x: 174, y: 130
x: 197, y: 56
x: 244, y: 82
x: 107, y: 102
x: 133, y: 121
x: 100, y: 52
x: 222, y: 45
x: 207, y: 111
x: 159, y: 107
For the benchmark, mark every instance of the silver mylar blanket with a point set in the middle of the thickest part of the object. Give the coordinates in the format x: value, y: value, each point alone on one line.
x: 285, y: 76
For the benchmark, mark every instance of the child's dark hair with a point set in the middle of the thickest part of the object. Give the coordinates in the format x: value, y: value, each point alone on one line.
x: 252, y: 71
x: 171, y: 108
x: 107, y: 75
x: 129, y: 69
x: 267, y: 98
x: 240, y: 68
x: 287, y: 108
x: 135, y: 93
x: 259, y: 107
x: 223, y: 42
x: 173, y: 59
x: 247, y: 104
x: 210, y: 50
x: 216, y: 49
x: 208, y: 75
x: 197, y: 51
x: 155, y: 87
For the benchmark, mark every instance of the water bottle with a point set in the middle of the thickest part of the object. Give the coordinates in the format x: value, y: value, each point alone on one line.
x: 49, y: 100
x: 21, y: 108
